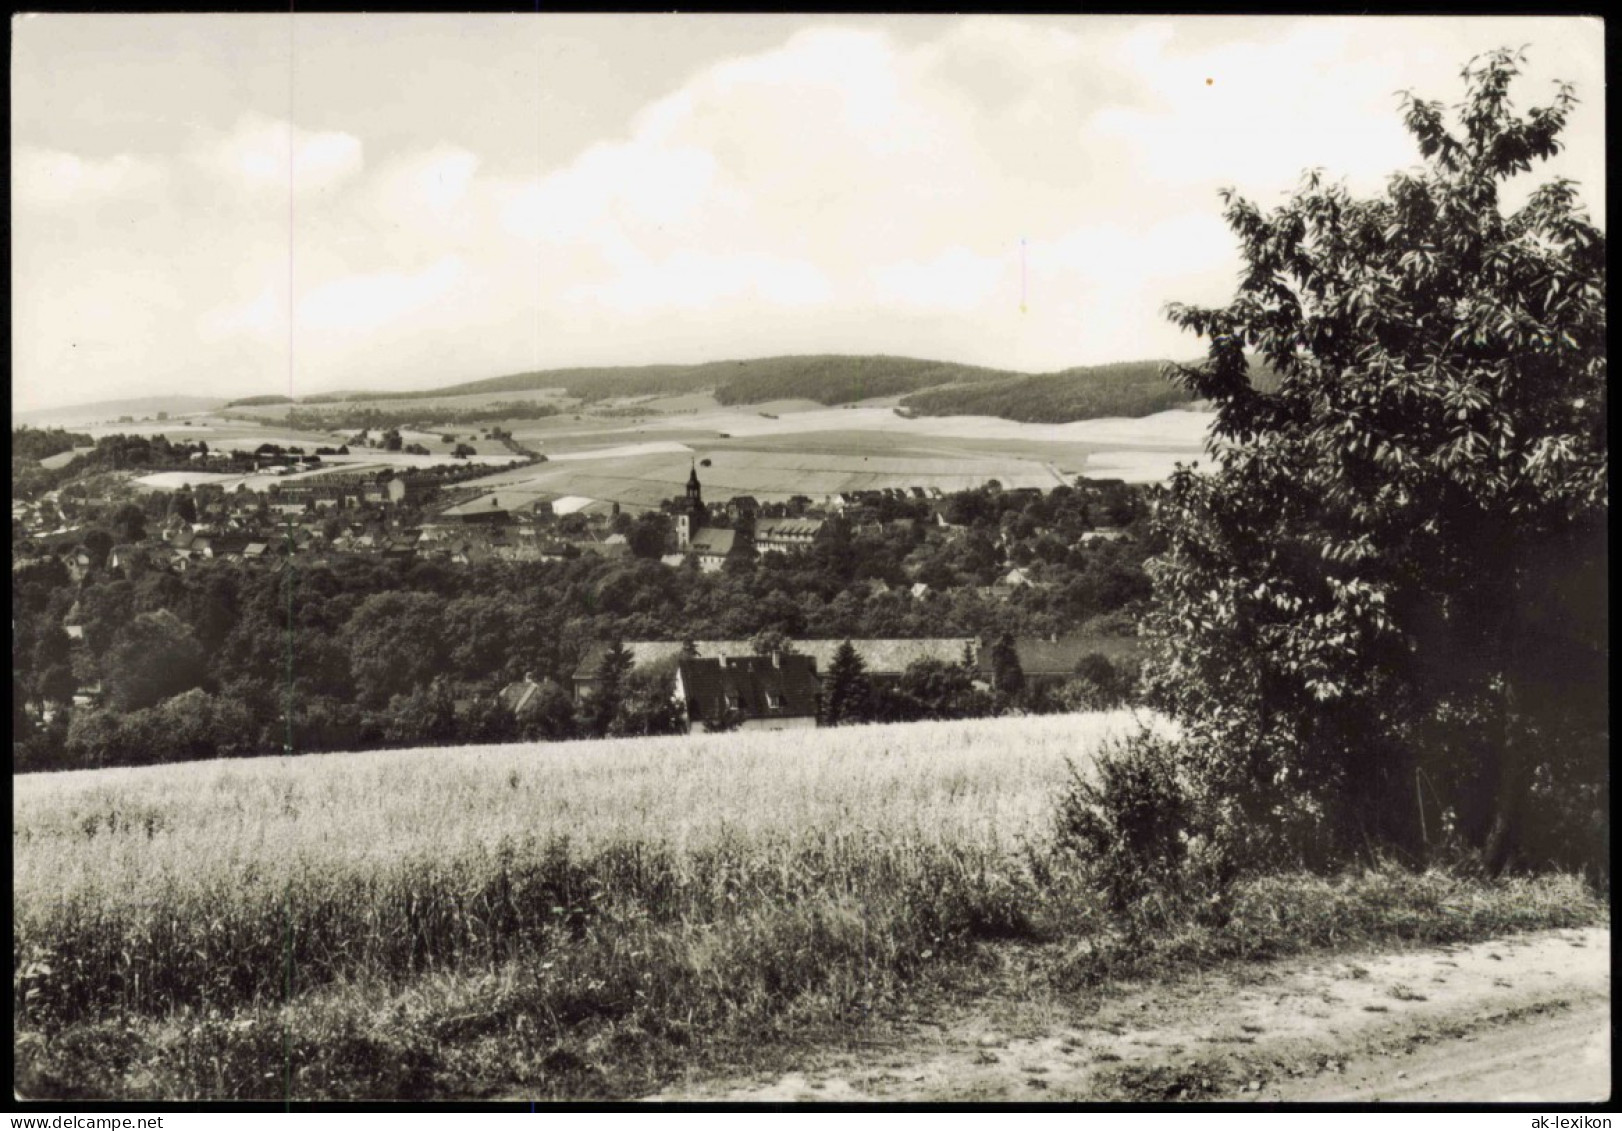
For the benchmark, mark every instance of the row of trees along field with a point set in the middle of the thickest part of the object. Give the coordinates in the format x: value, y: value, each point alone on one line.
x: 368, y: 652
x: 1383, y: 618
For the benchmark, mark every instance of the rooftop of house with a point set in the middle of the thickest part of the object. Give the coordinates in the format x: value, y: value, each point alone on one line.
x: 783, y: 685
x: 768, y: 528
x: 712, y: 540
x: 518, y: 695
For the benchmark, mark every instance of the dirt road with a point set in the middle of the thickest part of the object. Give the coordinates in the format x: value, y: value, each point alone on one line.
x: 1521, y: 1019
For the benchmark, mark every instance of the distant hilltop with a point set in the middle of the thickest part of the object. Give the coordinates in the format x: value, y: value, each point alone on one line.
x: 923, y: 388
x: 932, y: 388
x: 927, y: 388
x: 98, y: 411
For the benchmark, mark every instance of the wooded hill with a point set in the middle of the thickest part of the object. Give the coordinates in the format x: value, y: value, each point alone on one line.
x: 827, y: 379
x: 1132, y: 388
x: 931, y: 388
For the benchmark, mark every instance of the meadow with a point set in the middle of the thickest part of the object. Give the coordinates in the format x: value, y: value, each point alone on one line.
x: 590, y: 919
x: 551, y: 894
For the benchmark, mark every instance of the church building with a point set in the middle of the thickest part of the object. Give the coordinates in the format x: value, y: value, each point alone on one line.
x: 690, y: 512
x: 696, y: 539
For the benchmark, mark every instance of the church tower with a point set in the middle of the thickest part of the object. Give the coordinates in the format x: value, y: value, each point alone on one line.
x: 695, y: 497
x: 692, y: 514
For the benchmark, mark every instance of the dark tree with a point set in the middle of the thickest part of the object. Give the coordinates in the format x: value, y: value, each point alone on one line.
x: 425, y: 717
x: 154, y: 657
x: 98, y: 544
x: 1396, y: 571
x: 605, y: 700
x: 549, y: 714
x: 647, y: 705
x: 648, y: 534
x: 846, y: 700
x: 934, y: 689
x: 769, y: 640
x: 1007, y: 676
x: 396, y: 643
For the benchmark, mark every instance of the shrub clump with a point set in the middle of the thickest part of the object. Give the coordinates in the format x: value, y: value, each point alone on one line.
x: 1127, y: 821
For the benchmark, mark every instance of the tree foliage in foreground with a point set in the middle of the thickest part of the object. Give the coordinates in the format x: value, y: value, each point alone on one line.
x: 1384, y: 613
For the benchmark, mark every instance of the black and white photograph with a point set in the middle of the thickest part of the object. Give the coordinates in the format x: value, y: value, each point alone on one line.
x: 795, y: 560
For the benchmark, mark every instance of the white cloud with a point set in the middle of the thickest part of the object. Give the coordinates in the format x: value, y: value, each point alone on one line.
x: 955, y: 280
x: 643, y: 183
x: 434, y: 183
x: 47, y: 178
x: 263, y: 316
x: 268, y: 154
x: 697, y: 281
x: 362, y: 303
x: 847, y: 189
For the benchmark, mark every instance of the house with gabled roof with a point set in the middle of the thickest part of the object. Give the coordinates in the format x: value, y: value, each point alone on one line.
x: 782, y: 535
x: 1016, y: 578
x: 712, y: 545
x: 520, y: 694
x: 779, y: 691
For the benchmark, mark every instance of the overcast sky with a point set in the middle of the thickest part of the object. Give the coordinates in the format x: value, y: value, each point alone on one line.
x: 238, y: 204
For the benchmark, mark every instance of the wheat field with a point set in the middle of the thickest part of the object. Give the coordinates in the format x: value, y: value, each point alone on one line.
x: 651, y: 889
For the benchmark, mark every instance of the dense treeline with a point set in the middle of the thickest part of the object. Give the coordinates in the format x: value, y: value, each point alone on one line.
x: 1133, y: 388
x: 42, y: 443
x: 1130, y: 389
x: 143, y: 454
x: 28, y: 447
x: 830, y: 379
x: 841, y: 380
x: 933, y: 388
x: 351, y: 417
x: 253, y: 402
x: 369, y: 652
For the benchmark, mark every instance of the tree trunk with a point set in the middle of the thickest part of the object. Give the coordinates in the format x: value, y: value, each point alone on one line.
x: 1502, y: 556
x: 1504, y: 834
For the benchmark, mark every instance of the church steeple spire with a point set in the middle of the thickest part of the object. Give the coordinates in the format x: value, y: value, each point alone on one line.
x: 690, y: 517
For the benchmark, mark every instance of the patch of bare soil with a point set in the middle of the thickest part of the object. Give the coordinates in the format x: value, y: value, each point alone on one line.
x: 1521, y: 1019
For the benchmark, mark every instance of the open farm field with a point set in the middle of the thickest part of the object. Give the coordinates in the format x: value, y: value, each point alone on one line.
x: 685, y: 402
x: 217, y: 432
x: 816, y: 474
x: 62, y: 459
x: 441, y: 922
x: 1142, y: 449
x: 361, y: 461
x: 644, y: 475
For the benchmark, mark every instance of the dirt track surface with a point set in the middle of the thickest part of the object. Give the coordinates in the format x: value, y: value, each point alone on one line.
x: 1521, y: 1019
